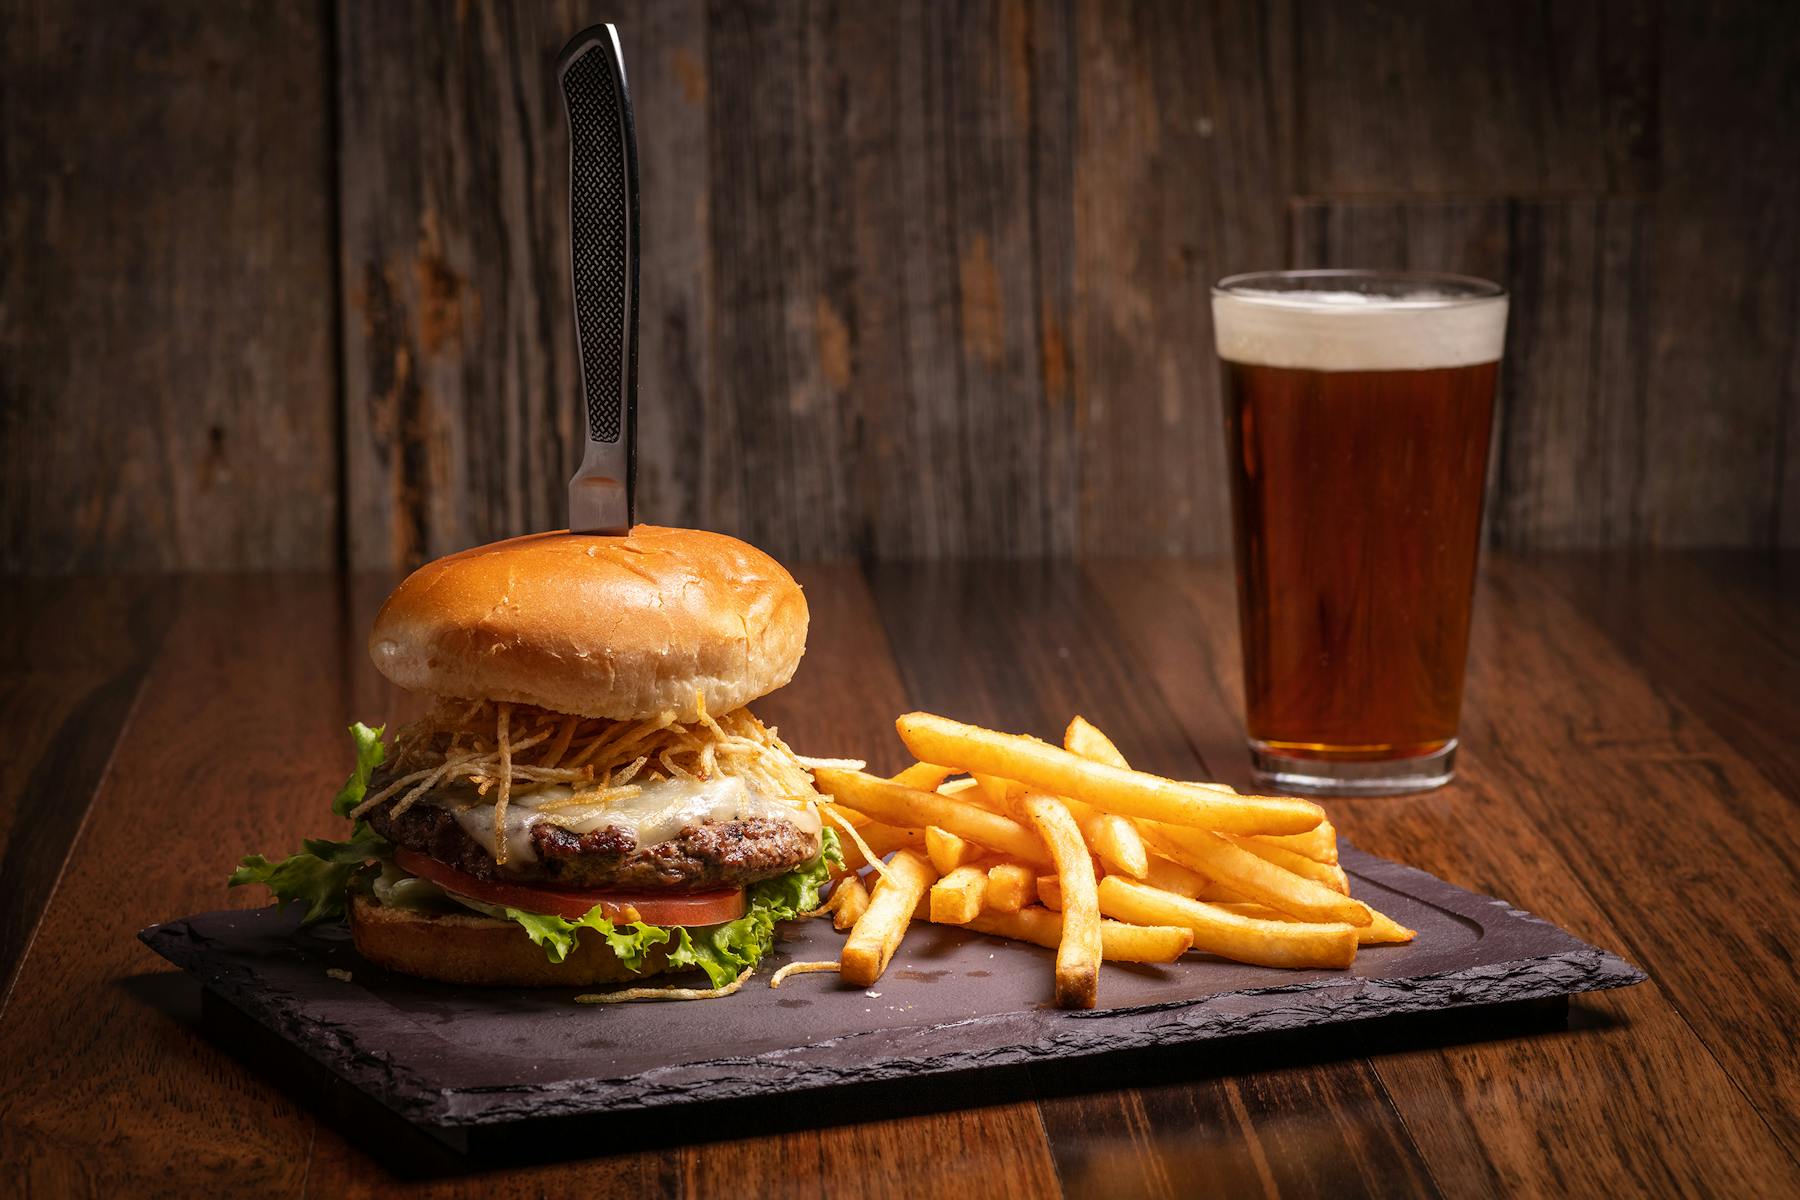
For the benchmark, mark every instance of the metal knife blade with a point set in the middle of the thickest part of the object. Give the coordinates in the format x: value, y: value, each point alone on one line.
x: 603, y: 270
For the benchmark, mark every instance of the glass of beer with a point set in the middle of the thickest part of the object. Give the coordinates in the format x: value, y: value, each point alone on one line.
x: 1358, y: 406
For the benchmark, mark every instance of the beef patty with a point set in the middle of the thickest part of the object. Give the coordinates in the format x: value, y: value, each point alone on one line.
x: 708, y: 855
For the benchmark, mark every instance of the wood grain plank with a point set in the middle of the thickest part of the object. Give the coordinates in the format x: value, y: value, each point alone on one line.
x: 69, y: 675
x: 1257, y: 1133
x: 1571, y: 459
x: 1718, y: 630
x: 1540, y: 1113
x: 1180, y: 155
x: 166, y: 347
x: 897, y: 386
x: 773, y: 443
x: 1024, y: 648
x: 237, y: 745
x: 1468, y: 98
x: 1726, y: 331
x: 665, y: 57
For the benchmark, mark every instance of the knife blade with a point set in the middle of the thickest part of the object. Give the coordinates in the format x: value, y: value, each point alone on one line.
x: 603, y: 272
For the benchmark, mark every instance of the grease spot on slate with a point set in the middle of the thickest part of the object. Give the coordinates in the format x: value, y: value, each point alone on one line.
x: 921, y: 976
x: 978, y: 974
x: 795, y: 1003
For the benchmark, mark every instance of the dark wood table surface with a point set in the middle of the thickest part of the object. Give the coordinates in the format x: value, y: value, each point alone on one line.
x: 1629, y: 770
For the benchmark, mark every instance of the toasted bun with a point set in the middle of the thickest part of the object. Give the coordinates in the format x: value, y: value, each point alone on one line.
x: 481, y: 951
x: 620, y: 627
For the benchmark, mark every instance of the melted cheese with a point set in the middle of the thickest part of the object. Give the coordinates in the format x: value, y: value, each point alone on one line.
x: 656, y: 814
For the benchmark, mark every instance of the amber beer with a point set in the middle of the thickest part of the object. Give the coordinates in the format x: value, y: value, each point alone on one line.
x: 1357, y: 413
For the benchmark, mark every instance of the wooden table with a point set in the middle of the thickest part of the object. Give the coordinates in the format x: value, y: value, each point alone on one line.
x: 1629, y: 771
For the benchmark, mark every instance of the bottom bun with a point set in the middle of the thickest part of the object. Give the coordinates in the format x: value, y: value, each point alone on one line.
x: 482, y: 951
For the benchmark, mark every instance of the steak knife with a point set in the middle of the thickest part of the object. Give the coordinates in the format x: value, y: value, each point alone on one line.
x: 603, y: 272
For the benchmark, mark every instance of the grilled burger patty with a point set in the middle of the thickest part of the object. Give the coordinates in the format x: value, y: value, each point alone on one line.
x: 709, y: 855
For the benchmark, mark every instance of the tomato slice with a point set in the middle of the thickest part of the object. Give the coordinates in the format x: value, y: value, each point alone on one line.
x: 652, y: 908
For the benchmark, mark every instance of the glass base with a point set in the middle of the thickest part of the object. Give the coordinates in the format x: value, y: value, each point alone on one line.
x: 1328, y: 777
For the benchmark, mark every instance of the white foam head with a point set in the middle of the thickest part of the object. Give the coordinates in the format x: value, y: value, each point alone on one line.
x: 1355, y: 321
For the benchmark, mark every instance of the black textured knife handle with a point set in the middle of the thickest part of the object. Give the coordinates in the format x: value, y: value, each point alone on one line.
x: 603, y: 229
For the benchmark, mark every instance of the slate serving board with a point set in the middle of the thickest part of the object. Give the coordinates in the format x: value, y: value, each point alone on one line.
x: 452, y: 1061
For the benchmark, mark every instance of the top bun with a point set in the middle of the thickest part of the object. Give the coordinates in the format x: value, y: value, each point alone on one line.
x: 619, y: 627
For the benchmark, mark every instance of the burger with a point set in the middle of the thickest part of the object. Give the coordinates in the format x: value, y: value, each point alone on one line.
x: 588, y: 799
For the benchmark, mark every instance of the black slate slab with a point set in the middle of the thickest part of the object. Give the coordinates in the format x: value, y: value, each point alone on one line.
x: 451, y: 1061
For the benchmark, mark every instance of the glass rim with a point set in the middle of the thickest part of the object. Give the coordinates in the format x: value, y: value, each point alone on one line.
x: 1244, y: 288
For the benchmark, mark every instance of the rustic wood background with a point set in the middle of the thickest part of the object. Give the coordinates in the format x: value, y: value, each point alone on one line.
x: 284, y: 284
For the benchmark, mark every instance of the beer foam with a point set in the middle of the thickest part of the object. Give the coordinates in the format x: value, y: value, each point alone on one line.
x: 1357, y: 331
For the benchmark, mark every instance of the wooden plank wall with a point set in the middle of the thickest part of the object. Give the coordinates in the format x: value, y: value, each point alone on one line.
x: 284, y: 284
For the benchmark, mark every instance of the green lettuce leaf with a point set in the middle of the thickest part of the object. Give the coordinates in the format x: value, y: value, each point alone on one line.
x: 318, y: 875
x: 371, y: 752
x: 722, y: 951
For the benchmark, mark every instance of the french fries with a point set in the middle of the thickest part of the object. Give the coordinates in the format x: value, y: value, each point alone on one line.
x: 1227, y: 934
x: 852, y: 901
x: 1119, y: 942
x: 1115, y: 839
x: 895, y: 804
x: 1078, y: 954
x: 1382, y: 930
x: 882, y: 841
x: 947, y: 851
x: 1319, y: 844
x: 877, y: 933
x: 957, y: 896
x: 1253, y: 878
x: 1329, y: 874
x: 1168, y: 876
x: 1010, y: 887
x: 1052, y: 769
x: 924, y: 776
x: 1069, y: 848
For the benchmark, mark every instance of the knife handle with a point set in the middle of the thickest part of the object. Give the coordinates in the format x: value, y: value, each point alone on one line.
x: 603, y: 231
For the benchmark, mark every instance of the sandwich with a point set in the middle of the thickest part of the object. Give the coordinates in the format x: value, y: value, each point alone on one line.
x: 587, y: 800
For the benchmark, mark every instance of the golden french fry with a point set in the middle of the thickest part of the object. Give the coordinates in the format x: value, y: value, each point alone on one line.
x: 1049, y: 892
x: 1051, y: 769
x: 852, y: 901
x: 958, y: 895
x: 924, y: 776
x: 1252, y: 878
x: 958, y: 787
x: 876, y: 935
x: 1078, y: 957
x: 1383, y: 930
x: 947, y: 851
x: 1114, y: 838
x: 1083, y: 738
x: 1328, y: 874
x: 908, y: 807
x: 881, y: 839
x: 1230, y: 935
x: 1319, y: 844
x: 1119, y: 942
x: 1010, y: 887
x: 1167, y: 876
x: 996, y: 793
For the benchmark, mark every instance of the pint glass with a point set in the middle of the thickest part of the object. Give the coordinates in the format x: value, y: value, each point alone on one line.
x: 1357, y: 412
